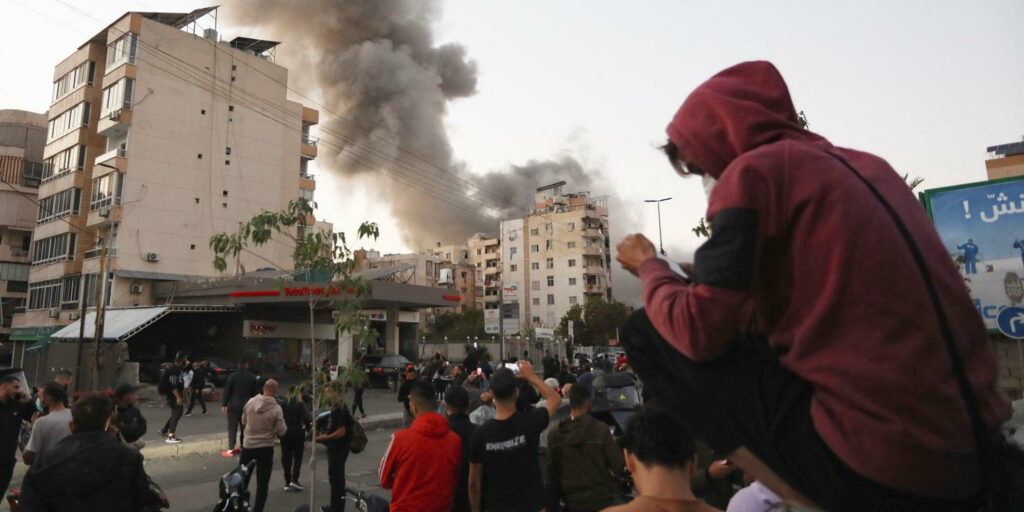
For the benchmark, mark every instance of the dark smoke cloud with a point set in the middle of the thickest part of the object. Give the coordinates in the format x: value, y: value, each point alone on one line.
x: 376, y: 63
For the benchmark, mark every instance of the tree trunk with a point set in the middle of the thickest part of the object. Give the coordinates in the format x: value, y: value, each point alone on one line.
x: 315, y: 404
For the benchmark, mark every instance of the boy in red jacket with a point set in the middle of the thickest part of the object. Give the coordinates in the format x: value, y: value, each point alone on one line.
x: 421, y: 465
x: 846, y: 396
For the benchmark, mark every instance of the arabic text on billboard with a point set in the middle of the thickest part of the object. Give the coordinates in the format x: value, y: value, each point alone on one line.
x: 982, y: 228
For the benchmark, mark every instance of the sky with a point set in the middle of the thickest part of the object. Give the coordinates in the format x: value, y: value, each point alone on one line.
x: 927, y: 85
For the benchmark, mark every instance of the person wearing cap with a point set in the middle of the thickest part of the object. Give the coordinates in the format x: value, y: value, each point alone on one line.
x: 129, y: 425
x: 12, y: 400
x: 456, y: 400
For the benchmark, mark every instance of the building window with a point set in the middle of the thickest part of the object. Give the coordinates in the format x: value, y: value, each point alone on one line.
x: 550, y: 245
x: 82, y: 74
x: 548, y: 228
x: 572, y: 281
x: 61, y: 204
x: 121, y: 51
x: 535, y: 266
x: 572, y: 299
x: 570, y: 226
x: 71, y: 159
x: 513, y: 250
x: 534, y: 248
x: 514, y: 268
x: 306, y: 194
x: 536, y: 320
x: 117, y: 96
x: 535, y: 286
x: 572, y: 245
x: 536, y: 301
x: 54, y: 248
x: 71, y: 119
x: 550, y: 263
x: 106, y: 191
x: 44, y: 294
x: 551, y: 280
x: 13, y: 272
x: 69, y: 292
x: 89, y: 287
x: 478, y: 253
x: 535, y: 232
x: 572, y: 262
x: 551, y: 300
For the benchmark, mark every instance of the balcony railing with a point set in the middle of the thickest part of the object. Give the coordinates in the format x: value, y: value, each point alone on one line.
x: 307, y: 139
x: 96, y: 253
x: 117, y: 152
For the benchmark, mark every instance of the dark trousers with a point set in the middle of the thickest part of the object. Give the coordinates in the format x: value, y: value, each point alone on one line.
x: 357, y: 401
x: 264, y: 458
x: 176, y: 410
x: 336, y: 458
x: 234, y: 433
x: 197, y: 394
x: 746, y: 398
x: 291, y: 460
x: 6, y: 473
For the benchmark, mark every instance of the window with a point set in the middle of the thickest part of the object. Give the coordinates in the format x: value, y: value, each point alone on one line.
x: 44, y: 294
x: 447, y: 256
x: 572, y: 262
x: 572, y: 299
x: 534, y: 248
x: 535, y: 286
x: 54, y: 248
x: 572, y: 281
x: 571, y: 245
x: 306, y: 194
x: 121, y: 51
x: 535, y: 266
x: 71, y: 119
x: 535, y: 232
x: 548, y: 228
x: 536, y: 301
x: 551, y: 300
x: 513, y: 250
x: 513, y: 268
x: 13, y: 272
x: 106, y: 191
x: 69, y: 291
x: 90, y: 289
x: 550, y: 263
x: 82, y: 74
x: 536, y: 320
x: 550, y: 245
x: 478, y: 252
x: 117, y: 96
x: 71, y: 159
x: 570, y: 226
x: 61, y: 204
x: 551, y: 280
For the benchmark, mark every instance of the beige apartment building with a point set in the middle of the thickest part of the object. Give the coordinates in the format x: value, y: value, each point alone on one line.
x: 457, y: 274
x: 557, y: 256
x: 485, y: 257
x: 1005, y: 160
x: 22, y: 137
x: 159, y: 136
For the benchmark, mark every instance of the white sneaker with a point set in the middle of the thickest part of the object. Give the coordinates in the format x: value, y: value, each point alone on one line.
x: 288, y: 488
x: 172, y: 440
x: 297, y: 486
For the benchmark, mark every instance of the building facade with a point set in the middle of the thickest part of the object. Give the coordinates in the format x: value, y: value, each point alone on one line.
x: 22, y: 137
x: 1005, y: 160
x: 159, y: 138
x: 556, y: 257
x: 485, y: 257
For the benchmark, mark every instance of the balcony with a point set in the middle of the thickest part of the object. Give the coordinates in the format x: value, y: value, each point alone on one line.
x: 308, y: 149
x: 115, y: 123
x: 105, y: 212
x: 115, y: 158
x: 96, y: 253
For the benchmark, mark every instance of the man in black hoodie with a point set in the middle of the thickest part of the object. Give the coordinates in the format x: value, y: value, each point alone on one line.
x: 583, y: 461
x: 90, y: 470
x: 299, y: 421
x: 129, y: 424
x: 240, y: 387
x: 456, y: 399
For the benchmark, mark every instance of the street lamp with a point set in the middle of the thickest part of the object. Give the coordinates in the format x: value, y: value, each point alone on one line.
x: 661, y: 248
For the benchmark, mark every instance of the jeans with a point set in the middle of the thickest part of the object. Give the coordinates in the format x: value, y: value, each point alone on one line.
x: 971, y: 266
x: 336, y: 458
x: 234, y: 433
x: 176, y: 410
x: 291, y: 460
x: 264, y: 458
x: 197, y: 394
x: 357, y: 401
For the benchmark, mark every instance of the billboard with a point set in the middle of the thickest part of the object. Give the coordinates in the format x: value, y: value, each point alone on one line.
x: 982, y: 227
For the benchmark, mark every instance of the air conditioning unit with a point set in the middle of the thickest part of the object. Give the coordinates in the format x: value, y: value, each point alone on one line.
x: 152, y: 256
x: 135, y: 288
x: 115, y: 115
x: 74, y: 316
x: 54, y: 313
x: 105, y: 212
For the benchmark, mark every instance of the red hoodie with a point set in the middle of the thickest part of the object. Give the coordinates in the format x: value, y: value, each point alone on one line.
x: 421, y: 466
x: 803, y: 250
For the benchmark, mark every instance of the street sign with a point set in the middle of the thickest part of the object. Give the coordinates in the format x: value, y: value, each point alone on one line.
x: 491, y: 321
x: 1011, y: 322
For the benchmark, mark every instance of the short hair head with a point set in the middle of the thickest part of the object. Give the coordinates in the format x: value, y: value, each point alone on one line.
x: 90, y: 414
x: 676, y: 160
x: 457, y: 398
x: 580, y: 396
x: 54, y: 392
x: 503, y: 384
x: 656, y: 437
x: 423, y: 395
x: 270, y: 387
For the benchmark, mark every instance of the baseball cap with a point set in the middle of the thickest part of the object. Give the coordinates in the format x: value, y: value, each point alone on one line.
x: 456, y: 396
x: 9, y: 374
x: 123, y: 389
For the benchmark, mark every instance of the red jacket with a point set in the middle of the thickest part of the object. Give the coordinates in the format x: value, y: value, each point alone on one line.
x: 801, y: 248
x: 421, y: 466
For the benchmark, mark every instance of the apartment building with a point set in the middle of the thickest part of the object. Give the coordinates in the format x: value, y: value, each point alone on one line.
x: 1005, y: 160
x: 557, y: 256
x: 22, y: 137
x: 485, y: 257
x: 159, y: 136
x: 457, y: 274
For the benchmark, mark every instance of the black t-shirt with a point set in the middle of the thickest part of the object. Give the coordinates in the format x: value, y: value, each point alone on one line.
x: 340, y: 417
x: 511, y: 464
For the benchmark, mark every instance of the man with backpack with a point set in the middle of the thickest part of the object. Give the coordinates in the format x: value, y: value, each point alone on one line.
x: 338, y: 440
x: 172, y: 388
x: 240, y: 387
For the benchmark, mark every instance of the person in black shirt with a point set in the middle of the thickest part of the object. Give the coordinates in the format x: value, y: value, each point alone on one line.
x: 456, y: 399
x: 357, y: 389
x: 299, y: 421
x: 504, y: 470
x: 338, y: 439
x: 129, y: 425
x: 403, y: 395
x: 174, y: 393
x: 199, y: 374
x: 240, y: 387
x: 12, y: 399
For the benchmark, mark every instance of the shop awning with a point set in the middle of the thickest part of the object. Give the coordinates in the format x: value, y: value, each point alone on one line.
x: 121, y: 324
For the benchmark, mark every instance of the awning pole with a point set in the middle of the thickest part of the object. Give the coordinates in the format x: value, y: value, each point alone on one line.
x: 81, y: 338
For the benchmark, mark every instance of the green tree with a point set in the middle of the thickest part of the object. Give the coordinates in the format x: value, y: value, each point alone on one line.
x: 459, y: 326
x: 322, y: 259
x: 594, y: 323
x: 575, y: 314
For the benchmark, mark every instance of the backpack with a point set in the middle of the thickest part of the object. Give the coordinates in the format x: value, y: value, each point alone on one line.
x: 164, y: 386
x: 359, y: 438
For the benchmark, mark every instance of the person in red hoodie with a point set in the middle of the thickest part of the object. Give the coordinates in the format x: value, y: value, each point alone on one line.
x: 808, y: 342
x: 421, y: 465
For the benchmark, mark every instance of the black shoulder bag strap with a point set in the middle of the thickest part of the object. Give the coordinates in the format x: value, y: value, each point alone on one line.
x: 978, y: 428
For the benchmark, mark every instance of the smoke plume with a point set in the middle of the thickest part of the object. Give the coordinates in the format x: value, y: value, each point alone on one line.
x: 377, y: 65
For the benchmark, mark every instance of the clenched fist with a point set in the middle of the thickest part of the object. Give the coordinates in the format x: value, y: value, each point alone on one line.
x: 633, y: 251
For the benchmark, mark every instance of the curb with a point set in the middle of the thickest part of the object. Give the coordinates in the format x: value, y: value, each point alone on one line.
x: 215, y: 443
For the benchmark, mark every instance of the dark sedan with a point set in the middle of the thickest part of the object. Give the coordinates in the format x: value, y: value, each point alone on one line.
x: 385, y: 369
x: 220, y: 369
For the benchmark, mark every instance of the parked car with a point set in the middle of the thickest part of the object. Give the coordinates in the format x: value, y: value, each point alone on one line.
x: 385, y: 369
x: 220, y: 369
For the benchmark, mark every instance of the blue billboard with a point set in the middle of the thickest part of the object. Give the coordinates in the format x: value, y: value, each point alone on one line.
x: 982, y: 227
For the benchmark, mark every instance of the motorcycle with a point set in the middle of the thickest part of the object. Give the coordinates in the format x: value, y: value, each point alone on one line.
x: 234, y: 489
x: 363, y: 501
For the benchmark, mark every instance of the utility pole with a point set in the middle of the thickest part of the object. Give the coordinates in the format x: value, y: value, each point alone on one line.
x: 661, y: 248
x: 100, y: 313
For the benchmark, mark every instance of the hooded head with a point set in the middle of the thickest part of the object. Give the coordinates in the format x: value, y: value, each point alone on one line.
x: 735, y: 111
